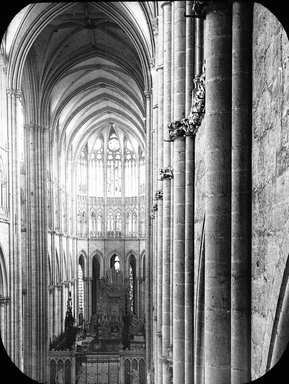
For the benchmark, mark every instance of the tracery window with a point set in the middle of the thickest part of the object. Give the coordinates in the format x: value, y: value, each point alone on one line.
x: 131, y: 174
x: 82, y: 172
x: 142, y: 174
x: 110, y: 223
x: 113, y: 167
x: 92, y: 222
x: 128, y: 223
x: 134, y: 223
x: 96, y: 169
x: 118, y: 224
x: 99, y: 223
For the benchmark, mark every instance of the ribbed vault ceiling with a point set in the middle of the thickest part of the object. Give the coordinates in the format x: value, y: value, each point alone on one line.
x: 90, y: 67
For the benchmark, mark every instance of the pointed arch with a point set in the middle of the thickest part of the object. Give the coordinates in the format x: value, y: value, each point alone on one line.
x: 3, y: 275
x: 99, y: 256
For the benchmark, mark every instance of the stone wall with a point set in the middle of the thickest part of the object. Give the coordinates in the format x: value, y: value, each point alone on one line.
x: 270, y: 177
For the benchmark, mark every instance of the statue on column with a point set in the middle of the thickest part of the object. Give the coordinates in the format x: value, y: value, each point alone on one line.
x: 59, y: 378
x: 135, y: 376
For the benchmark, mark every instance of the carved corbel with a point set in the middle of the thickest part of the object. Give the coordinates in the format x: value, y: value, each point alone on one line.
x: 194, y: 120
x: 176, y: 129
x: 166, y: 173
x: 159, y: 194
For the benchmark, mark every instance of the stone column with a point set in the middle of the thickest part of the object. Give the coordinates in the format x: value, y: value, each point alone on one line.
x: 218, y: 54
x: 241, y: 191
x: 177, y: 134
x: 189, y: 204
x: 154, y: 228
x: 199, y: 45
x: 148, y: 243
x: 14, y: 339
x: 37, y: 292
x: 159, y: 193
x: 166, y: 176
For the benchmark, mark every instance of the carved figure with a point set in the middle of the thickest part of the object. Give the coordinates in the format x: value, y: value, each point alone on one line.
x: 135, y: 376
x: 59, y: 378
x: 114, y: 277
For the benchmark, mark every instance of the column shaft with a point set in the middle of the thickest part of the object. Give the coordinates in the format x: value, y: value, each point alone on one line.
x: 189, y: 207
x: 218, y: 194
x: 148, y: 243
x: 160, y: 76
x: 167, y: 14
x: 241, y: 191
x: 199, y: 46
x: 14, y: 339
x: 37, y: 292
x: 179, y: 69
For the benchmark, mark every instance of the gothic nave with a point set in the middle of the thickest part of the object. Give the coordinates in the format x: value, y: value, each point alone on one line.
x: 144, y: 208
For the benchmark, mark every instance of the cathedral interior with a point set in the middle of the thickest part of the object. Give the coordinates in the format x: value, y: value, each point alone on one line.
x: 144, y: 208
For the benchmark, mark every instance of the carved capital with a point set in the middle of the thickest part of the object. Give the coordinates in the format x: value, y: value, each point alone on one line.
x: 159, y: 194
x: 4, y: 301
x: 176, y: 129
x: 166, y: 173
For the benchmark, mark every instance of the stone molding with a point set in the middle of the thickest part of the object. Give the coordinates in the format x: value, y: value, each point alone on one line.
x: 4, y: 301
x: 14, y: 92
